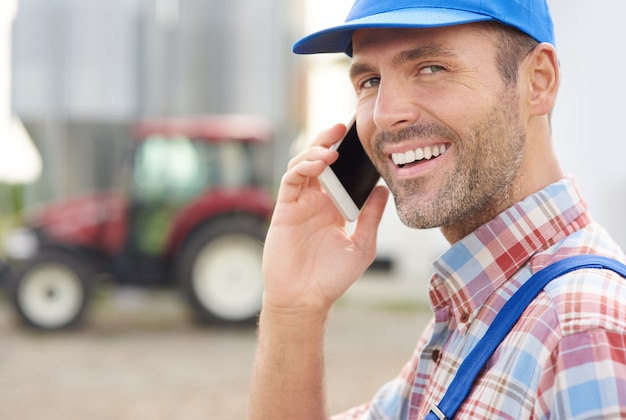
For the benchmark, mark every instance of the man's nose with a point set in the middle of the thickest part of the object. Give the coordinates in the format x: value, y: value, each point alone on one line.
x: 394, y: 108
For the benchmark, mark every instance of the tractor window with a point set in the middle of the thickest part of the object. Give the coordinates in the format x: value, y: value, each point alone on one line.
x: 168, y: 173
x: 178, y: 169
x: 168, y: 169
x: 230, y: 163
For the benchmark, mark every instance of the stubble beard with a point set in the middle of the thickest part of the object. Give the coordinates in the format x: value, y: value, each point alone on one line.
x: 482, y: 183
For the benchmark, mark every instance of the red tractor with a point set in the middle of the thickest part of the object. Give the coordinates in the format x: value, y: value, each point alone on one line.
x: 194, y: 213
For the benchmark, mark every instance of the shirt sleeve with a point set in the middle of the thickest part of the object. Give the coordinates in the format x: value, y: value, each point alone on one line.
x: 587, y: 377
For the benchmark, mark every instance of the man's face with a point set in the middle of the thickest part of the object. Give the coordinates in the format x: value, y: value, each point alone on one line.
x: 439, y: 123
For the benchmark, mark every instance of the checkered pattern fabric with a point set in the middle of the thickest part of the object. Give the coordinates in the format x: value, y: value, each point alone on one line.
x: 564, y: 359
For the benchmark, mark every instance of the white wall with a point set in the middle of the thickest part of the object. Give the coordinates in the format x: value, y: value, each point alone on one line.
x: 20, y: 161
x: 590, y: 112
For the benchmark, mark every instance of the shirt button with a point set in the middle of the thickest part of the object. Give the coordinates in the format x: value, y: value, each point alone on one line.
x: 436, y: 355
x: 464, y: 317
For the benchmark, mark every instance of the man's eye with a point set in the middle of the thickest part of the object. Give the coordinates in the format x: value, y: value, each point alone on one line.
x: 431, y: 69
x: 370, y: 83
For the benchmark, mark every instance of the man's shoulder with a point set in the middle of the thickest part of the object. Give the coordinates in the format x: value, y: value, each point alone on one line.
x: 587, y: 299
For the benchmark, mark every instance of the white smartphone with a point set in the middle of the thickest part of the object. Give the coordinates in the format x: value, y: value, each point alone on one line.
x: 349, y: 181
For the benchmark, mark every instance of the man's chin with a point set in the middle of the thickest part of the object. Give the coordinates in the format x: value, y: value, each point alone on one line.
x: 416, y: 217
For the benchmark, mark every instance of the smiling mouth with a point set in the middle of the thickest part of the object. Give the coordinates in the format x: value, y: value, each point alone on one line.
x: 418, y: 155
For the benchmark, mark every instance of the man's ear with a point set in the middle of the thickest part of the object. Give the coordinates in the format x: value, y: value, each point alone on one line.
x: 542, y: 69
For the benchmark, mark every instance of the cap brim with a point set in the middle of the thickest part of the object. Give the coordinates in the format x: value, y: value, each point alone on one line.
x: 339, y: 38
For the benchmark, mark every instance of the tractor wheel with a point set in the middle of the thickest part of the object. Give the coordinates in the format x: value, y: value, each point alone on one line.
x: 52, y: 291
x: 220, y: 269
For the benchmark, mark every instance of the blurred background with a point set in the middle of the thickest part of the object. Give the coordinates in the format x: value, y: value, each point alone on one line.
x: 76, y: 79
x: 83, y: 72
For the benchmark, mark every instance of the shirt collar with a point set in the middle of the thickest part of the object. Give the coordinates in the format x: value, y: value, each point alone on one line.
x: 473, y: 268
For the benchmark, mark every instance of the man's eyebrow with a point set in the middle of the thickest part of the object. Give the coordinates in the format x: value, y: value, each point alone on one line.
x: 421, y: 52
x: 357, y: 69
x: 402, y: 57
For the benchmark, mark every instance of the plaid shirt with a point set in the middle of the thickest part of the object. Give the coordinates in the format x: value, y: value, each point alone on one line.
x: 564, y: 359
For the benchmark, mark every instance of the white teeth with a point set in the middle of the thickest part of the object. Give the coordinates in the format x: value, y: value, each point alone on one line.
x: 411, y: 156
x: 399, y: 158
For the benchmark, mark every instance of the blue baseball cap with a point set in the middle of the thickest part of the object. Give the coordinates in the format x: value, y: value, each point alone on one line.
x: 529, y: 16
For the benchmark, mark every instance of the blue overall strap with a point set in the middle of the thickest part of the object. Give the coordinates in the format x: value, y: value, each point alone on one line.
x: 504, y: 321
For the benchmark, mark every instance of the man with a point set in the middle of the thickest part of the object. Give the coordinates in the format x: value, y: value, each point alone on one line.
x: 477, y: 80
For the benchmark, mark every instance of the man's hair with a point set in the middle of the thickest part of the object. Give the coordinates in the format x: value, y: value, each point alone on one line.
x: 513, y: 46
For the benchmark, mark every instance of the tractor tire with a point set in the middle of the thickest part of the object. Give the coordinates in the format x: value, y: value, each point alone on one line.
x: 52, y: 291
x: 220, y: 269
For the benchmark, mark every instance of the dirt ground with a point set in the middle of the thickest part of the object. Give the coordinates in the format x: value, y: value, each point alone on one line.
x: 139, y: 357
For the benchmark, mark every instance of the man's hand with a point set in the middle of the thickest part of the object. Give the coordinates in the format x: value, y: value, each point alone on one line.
x: 310, y: 260
x: 308, y: 263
